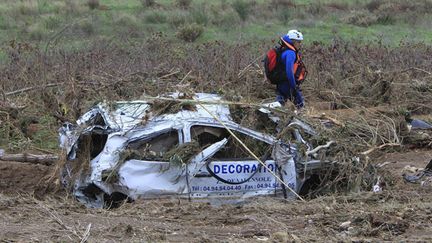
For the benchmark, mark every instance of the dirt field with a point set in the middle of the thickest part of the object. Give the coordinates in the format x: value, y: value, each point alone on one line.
x: 402, y: 212
x: 363, y: 86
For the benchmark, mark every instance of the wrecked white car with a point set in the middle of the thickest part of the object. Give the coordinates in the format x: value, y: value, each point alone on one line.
x: 129, y: 150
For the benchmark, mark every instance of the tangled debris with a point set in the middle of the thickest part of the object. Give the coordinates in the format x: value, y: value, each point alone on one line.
x: 422, y: 176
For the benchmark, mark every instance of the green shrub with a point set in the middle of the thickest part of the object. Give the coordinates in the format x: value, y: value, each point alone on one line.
x: 283, y: 15
x: 316, y: 8
x: 190, y: 32
x: 361, y: 18
x: 44, y: 137
x: 427, y: 6
x: 42, y: 6
x: 184, y: 4
x: 155, y: 17
x: 226, y: 19
x: 5, y: 22
x: 93, y: 4
x: 52, y: 22
x: 71, y: 7
x: 374, y: 5
x: 385, y: 18
x: 282, y: 4
x: 148, y: 3
x: 339, y: 6
x: 24, y: 8
x: 87, y: 27
x: 178, y: 18
x: 200, y: 15
x: 36, y: 32
x: 126, y: 20
x: 386, y: 13
x: 242, y: 8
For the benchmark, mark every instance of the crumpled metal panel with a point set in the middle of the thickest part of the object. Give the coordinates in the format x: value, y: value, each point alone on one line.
x: 122, y: 122
x: 151, y: 179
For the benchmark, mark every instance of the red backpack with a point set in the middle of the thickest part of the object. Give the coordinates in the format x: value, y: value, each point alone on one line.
x: 273, y: 66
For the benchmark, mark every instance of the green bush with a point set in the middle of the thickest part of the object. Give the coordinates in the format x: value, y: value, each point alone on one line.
x: 155, y: 17
x: 385, y: 18
x: 200, y: 15
x: 5, y: 22
x: 226, y: 19
x: 72, y: 8
x: 361, y: 18
x: 43, y: 6
x: 127, y: 21
x: 283, y: 15
x: 344, y: 6
x: 52, y: 22
x: 148, y: 3
x: 24, y: 9
x: 178, y: 18
x: 242, y: 8
x: 224, y: 4
x: 282, y: 4
x: 93, y: 4
x: 190, y: 32
x: 184, y: 4
x: 87, y: 27
x: 374, y: 5
x: 385, y: 13
x: 36, y: 32
x: 316, y: 8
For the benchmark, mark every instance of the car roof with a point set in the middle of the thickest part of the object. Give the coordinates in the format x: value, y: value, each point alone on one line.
x: 126, y: 115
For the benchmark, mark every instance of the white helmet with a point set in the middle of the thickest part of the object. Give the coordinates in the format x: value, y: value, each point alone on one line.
x: 295, y: 35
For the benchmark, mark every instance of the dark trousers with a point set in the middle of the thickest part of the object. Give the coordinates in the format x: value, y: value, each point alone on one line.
x: 285, y: 92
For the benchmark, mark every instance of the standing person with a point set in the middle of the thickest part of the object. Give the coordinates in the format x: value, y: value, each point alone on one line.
x: 294, y: 70
x: 284, y: 67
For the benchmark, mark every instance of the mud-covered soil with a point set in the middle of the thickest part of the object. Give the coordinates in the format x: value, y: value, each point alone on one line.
x: 22, y: 177
x: 402, y: 212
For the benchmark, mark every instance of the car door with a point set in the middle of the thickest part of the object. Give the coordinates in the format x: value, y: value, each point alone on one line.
x: 148, y: 172
x: 231, y: 171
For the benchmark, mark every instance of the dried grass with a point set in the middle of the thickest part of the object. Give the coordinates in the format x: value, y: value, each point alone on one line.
x: 347, y: 75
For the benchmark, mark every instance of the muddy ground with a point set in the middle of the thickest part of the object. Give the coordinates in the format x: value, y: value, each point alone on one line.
x: 44, y: 88
x: 402, y: 212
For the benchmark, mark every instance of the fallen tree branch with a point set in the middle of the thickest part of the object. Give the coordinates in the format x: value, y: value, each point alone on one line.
x: 416, y: 68
x: 19, y: 91
x: 220, y: 102
x: 324, y: 116
x: 250, y: 64
x: 86, y: 234
x: 169, y: 74
x: 184, y: 78
x: 45, y: 159
x: 380, y: 147
x: 320, y: 147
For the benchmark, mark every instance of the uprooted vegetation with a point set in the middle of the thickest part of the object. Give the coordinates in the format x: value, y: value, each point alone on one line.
x: 362, y: 89
x: 364, y: 82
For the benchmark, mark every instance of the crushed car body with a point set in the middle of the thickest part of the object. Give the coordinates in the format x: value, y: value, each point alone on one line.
x: 131, y: 150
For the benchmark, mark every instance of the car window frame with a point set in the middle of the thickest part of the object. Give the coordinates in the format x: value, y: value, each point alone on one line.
x: 270, y: 140
x: 150, y: 136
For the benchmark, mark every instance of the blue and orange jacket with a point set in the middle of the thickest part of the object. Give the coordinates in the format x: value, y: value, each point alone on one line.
x: 292, y: 60
x: 295, y: 72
